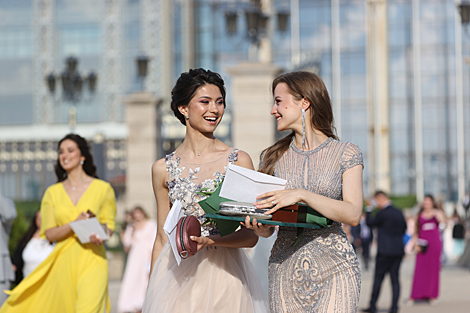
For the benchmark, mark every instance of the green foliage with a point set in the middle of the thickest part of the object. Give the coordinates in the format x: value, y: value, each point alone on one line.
x: 404, y: 202
x: 25, y: 213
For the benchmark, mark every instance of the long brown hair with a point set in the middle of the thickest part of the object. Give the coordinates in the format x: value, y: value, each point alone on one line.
x: 311, y: 87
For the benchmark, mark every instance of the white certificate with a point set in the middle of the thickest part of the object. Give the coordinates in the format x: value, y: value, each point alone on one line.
x: 85, y: 228
x: 244, y: 185
x: 176, y: 212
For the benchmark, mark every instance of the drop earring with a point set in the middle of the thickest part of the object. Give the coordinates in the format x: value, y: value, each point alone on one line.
x: 303, y: 128
x: 82, y: 162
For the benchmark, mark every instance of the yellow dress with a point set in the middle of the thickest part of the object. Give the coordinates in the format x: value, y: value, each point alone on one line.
x: 74, y: 277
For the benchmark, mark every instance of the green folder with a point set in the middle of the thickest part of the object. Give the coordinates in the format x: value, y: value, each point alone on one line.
x: 211, y: 206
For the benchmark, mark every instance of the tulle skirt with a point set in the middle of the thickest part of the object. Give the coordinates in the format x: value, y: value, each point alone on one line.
x: 216, y: 279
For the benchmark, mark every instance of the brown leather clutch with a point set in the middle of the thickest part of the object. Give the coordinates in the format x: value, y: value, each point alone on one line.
x: 291, y: 214
x: 187, y: 226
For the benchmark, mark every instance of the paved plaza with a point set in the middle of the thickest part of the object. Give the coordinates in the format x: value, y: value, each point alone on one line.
x: 454, y: 290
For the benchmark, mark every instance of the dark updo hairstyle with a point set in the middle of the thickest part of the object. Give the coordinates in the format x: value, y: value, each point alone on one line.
x: 88, y: 165
x: 188, y: 84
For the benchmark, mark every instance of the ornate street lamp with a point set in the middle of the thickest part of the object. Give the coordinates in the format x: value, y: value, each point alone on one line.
x: 256, y: 21
x: 72, y: 86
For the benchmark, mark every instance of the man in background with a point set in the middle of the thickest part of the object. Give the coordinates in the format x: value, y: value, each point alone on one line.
x: 391, y: 227
x: 7, y: 216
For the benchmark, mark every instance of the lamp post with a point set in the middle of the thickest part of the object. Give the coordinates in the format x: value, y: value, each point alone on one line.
x: 464, y: 10
x: 142, y: 68
x: 72, y: 86
x: 258, y: 16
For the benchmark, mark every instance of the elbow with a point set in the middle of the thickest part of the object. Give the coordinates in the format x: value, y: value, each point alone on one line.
x: 354, y: 221
x: 49, y: 237
x: 252, y: 242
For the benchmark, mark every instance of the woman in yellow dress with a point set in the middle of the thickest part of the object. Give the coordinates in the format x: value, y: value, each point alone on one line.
x: 74, y: 278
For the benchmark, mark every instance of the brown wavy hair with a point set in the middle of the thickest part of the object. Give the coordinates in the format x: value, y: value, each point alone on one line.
x: 302, y: 85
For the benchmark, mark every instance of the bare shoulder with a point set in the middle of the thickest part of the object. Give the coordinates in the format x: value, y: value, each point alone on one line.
x: 159, y: 169
x: 244, y: 160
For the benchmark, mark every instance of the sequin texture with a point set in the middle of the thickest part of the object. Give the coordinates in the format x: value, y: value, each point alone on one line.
x: 321, y: 271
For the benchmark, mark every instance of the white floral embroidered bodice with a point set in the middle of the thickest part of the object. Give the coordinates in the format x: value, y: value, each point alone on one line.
x: 184, y: 179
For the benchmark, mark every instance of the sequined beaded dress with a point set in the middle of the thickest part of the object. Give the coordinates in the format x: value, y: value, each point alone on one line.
x: 216, y: 279
x: 321, y: 272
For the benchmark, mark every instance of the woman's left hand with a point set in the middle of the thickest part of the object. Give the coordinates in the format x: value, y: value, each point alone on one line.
x: 279, y: 199
x: 96, y: 240
x: 202, y: 242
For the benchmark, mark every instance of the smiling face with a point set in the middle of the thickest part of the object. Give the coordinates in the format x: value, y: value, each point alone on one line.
x: 70, y: 155
x: 286, y: 109
x: 205, y: 110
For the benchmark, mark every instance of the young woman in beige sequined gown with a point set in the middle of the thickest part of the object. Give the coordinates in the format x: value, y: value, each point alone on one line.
x: 318, y: 270
x: 220, y: 277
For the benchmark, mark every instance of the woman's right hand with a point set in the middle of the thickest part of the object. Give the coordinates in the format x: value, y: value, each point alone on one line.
x: 81, y: 216
x: 261, y: 230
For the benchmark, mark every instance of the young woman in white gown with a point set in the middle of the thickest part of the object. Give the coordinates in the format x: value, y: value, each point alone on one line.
x: 220, y: 277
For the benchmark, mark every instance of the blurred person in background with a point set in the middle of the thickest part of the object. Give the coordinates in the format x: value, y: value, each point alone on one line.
x: 366, y: 238
x: 458, y: 235
x: 7, y: 217
x: 31, y: 251
x: 428, y: 246
x: 138, y: 241
x: 464, y: 259
x: 126, y: 223
x: 391, y: 227
x: 74, y: 277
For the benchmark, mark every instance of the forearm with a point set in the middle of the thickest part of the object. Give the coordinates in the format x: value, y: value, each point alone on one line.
x: 59, y: 233
x: 337, y: 210
x: 244, y: 238
x: 160, y: 241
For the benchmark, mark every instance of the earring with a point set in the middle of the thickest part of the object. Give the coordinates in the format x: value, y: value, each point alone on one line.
x: 187, y: 117
x: 303, y: 128
x: 82, y: 162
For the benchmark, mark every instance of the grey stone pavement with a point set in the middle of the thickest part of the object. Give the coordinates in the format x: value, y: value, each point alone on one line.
x: 454, y: 289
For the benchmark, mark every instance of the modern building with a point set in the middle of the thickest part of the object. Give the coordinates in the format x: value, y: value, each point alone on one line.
x: 395, y: 71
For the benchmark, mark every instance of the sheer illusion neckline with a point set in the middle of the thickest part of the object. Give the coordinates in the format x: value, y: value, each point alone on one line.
x: 321, y: 146
x: 202, y: 163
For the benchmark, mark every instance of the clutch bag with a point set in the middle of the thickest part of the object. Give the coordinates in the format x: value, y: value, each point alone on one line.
x: 187, y: 226
x: 243, y: 209
x: 423, y: 243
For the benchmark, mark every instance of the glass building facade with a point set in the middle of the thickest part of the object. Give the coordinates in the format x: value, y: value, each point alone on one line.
x: 79, y: 31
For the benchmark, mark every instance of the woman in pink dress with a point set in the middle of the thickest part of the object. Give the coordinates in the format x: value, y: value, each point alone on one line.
x: 138, y: 241
x: 428, y: 245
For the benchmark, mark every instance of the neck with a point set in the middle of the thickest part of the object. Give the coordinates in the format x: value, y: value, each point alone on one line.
x: 313, y: 138
x: 386, y: 204
x: 36, y: 233
x: 197, y: 142
x: 76, y: 176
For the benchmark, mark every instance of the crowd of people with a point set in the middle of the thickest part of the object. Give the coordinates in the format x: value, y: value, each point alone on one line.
x: 314, y: 270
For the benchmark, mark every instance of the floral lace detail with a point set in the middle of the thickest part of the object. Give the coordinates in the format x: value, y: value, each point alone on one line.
x: 184, y: 189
